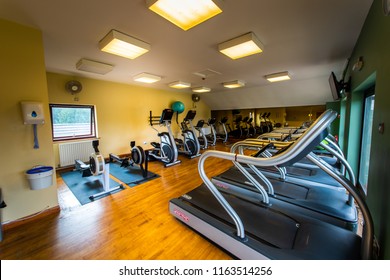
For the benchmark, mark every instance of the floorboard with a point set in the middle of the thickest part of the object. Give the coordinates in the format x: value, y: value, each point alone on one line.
x: 133, y: 224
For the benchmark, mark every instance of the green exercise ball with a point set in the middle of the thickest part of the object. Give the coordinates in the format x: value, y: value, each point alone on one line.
x: 178, y: 107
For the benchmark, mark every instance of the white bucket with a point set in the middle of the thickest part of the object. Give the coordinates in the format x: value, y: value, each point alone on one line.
x: 40, y: 177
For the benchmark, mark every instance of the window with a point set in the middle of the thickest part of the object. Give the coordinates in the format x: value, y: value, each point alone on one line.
x: 365, y: 148
x: 71, y: 122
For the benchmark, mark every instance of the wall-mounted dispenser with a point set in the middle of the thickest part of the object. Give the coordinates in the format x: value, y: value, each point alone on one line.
x: 33, y: 114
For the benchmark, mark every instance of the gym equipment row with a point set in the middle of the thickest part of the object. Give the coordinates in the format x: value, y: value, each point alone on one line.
x: 169, y: 147
x: 257, y: 216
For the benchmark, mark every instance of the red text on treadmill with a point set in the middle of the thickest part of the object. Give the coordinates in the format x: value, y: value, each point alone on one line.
x: 181, y: 215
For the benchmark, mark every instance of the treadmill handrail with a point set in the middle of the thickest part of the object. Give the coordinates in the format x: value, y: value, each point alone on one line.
x: 343, y: 161
x: 294, y: 150
x: 330, y: 138
x: 368, y: 232
x: 332, y: 148
x: 299, y: 146
x: 255, y: 144
x: 260, y: 175
x: 289, y: 154
x: 257, y: 185
x: 263, y: 142
x: 228, y: 208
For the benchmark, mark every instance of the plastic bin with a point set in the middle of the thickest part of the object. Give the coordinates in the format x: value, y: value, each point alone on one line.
x: 40, y: 177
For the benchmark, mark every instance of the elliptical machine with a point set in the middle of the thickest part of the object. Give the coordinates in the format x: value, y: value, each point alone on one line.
x: 189, y: 145
x: 166, y: 150
x: 212, y: 136
x: 202, y: 139
x: 96, y: 167
x: 223, y: 136
x: 206, y: 140
x: 138, y: 156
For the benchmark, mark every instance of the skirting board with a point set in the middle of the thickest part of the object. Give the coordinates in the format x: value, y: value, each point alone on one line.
x: 30, y: 218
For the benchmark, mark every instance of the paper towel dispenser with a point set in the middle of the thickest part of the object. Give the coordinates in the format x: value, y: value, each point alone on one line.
x: 33, y: 112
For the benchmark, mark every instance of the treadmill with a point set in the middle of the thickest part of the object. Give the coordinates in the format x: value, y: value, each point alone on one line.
x: 331, y: 204
x: 301, y: 172
x: 279, y: 136
x: 266, y: 231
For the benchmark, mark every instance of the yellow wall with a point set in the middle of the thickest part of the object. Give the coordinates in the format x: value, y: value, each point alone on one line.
x: 122, y: 115
x: 23, y: 78
x: 123, y: 110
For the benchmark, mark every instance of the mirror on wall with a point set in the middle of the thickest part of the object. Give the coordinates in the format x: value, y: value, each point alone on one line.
x: 275, y: 117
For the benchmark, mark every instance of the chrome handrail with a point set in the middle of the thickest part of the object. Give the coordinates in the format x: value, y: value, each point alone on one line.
x: 368, y: 233
x: 296, y: 148
x: 288, y: 155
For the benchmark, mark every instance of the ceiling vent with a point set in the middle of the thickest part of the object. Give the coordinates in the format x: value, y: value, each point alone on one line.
x: 206, y: 73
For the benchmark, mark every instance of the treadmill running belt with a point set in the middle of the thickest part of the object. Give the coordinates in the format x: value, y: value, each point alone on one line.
x: 273, y: 234
x: 280, y: 231
x: 330, y: 202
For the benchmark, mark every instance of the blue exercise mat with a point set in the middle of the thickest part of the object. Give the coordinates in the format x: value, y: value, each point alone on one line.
x: 131, y: 175
x: 84, y: 187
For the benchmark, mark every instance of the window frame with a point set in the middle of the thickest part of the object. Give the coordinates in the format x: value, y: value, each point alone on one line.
x: 93, y: 122
x: 369, y: 93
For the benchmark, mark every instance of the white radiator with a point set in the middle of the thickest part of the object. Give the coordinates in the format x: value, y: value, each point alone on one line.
x: 69, y: 152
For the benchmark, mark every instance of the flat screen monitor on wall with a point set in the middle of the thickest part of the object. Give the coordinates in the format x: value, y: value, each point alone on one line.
x: 335, y: 86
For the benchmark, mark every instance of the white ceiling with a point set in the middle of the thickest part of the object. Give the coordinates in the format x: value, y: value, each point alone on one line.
x: 308, y: 38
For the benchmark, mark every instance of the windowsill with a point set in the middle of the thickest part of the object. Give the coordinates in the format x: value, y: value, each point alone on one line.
x: 75, y: 140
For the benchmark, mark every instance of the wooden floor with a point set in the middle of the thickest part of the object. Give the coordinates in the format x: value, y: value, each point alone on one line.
x: 133, y: 224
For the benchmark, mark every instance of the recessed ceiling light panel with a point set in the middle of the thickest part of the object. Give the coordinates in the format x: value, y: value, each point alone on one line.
x: 179, y: 85
x: 201, y: 89
x: 234, y: 84
x: 123, y: 45
x: 245, y: 45
x: 93, y: 66
x: 146, y: 78
x: 278, y: 77
x: 185, y: 13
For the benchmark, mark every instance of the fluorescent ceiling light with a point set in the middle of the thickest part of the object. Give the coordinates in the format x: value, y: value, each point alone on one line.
x: 277, y: 77
x: 93, y: 66
x: 124, y: 45
x: 234, y: 84
x: 146, y: 78
x: 241, y: 46
x: 184, y: 13
x: 179, y: 85
x: 201, y: 89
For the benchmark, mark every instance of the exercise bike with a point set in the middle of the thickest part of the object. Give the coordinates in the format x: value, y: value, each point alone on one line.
x: 189, y: 145
x: 96, y: 167
x: 166, y: 150
x: 138, y: 156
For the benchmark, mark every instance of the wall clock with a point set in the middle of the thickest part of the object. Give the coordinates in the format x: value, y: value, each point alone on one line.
x: 386, y: 7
